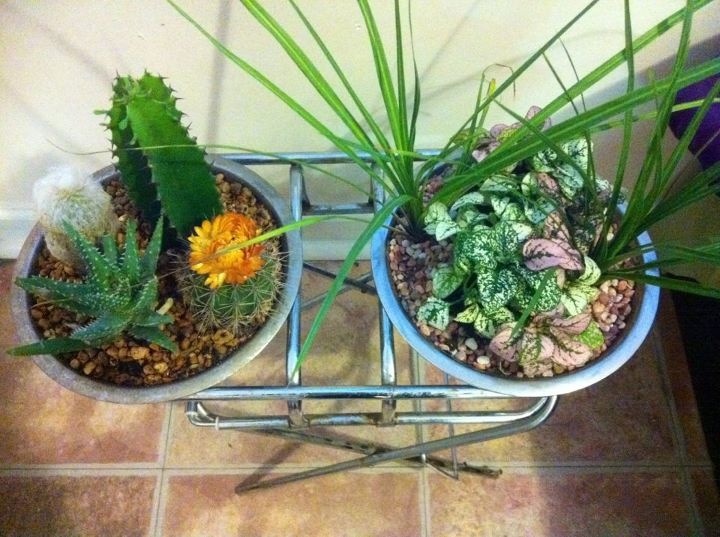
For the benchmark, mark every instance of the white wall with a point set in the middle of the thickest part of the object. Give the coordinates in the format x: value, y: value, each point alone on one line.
x: 58, y: 58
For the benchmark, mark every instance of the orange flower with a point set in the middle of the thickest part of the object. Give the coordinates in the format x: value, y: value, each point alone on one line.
x: 208, y: 244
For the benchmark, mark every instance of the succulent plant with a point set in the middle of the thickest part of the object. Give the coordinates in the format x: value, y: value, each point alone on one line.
x: 65, y: 196
x: 119, y: 293
x: 225, y: 285
x: 161, y: 165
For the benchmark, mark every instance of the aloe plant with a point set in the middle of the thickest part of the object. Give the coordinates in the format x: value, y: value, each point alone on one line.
x: 392, y: 151
x: 161, y: 165
x: 119, y: 293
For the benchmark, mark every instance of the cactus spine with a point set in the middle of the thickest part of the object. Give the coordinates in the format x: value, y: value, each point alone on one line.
x: 63, y: 197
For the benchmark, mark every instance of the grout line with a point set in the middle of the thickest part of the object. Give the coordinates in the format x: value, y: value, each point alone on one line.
x: 162, y: 504
x: 426, y: 517
x: 678, y: 434
x: 81, y: 472
x: 159, y: 500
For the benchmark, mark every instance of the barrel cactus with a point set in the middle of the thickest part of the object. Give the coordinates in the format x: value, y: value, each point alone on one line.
x: 225, y: 284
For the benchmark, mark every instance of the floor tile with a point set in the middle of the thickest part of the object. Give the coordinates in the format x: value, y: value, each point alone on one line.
x: 349, y: 504
x: 43, y: 423
x: 708, y: 500
x: 622, y: 418
x: 667, y: 330
x: 559, y: 503
x: 107, y: 506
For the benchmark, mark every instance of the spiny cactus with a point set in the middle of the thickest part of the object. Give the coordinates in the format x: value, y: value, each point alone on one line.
x: 119, y: 291
x: 224, y: 284
x: 64, y: 195
x: 161, y: 165
x: 234, y: 306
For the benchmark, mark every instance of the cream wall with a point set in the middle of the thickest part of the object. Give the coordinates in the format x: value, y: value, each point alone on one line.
x: 58, y: 58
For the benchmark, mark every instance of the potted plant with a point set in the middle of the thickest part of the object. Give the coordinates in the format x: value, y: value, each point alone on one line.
x: 138, y: 284
x: 497, y: 257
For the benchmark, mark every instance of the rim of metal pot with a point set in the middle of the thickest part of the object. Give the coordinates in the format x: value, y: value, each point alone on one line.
x: 620, y: 352
x: 72, y: 380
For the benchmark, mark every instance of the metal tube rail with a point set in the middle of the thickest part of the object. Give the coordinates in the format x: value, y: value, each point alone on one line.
x: 427, y: 391
x: 199, y: 415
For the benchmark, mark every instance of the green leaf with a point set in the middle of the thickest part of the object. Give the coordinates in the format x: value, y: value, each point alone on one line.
x: 591, y: 274
x: 131, y: 256
x: 439, y: 223
x: 592, y: 336
x: 469, y: 314
x: 475, y: 248
x: 576, y: 298
x: 48, y: 346
x: 472, y: 198
x: 434, y: 312
x: 148, y: 263
x: 510, y: 235
x: 100, y: 270
x: 497, y: 287
x: 153, y: 335
x: 446, y: 280
x: 101, y: 331
x: 484, y: 325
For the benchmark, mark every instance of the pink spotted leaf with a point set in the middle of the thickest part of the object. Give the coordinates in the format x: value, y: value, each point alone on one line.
x: 541, y: 254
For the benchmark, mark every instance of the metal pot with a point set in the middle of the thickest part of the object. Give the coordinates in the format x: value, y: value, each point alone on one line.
x: 291, y: 246
x: 645, y: 306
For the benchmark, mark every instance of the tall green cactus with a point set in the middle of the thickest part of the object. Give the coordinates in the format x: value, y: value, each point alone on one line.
x: 162, y: 167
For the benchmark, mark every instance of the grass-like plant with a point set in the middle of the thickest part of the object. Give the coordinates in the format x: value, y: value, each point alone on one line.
x: 389, y: 156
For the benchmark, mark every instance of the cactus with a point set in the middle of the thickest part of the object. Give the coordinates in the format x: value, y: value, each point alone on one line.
x: 161, y: 165
x: 119, y: 292
x: 224, y: 284
x: 63, y: 195
x: 234, y: 306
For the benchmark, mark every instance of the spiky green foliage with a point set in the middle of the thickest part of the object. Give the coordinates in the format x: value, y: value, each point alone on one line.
x: 119, y: 291
x: 234, y: 306
x: 161, y: 165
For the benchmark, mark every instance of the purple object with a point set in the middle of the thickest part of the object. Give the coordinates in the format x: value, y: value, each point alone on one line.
x: 709, y: 126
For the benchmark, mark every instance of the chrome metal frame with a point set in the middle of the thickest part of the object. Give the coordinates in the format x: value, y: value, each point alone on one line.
x: 294, y: 424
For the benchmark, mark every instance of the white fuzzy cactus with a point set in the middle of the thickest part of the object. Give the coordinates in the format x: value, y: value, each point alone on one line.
x: 64, y: 195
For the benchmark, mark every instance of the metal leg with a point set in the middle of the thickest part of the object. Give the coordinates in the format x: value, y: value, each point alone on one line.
x: 548, y: 404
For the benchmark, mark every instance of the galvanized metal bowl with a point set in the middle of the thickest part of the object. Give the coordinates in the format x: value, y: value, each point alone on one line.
x: 645, y: 305
x: 291, y: 246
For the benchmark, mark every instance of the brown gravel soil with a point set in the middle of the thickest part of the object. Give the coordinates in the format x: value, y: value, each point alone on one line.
x: 131, y: 362
x: 412, y: 263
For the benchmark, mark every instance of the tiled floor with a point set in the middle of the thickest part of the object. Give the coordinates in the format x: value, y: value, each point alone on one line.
x: 624, y: 457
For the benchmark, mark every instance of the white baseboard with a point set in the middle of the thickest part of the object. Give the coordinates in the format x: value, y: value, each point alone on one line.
x: 15, y: 224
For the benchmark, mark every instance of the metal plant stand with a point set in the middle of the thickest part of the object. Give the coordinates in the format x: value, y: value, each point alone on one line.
x: 296, y: 425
